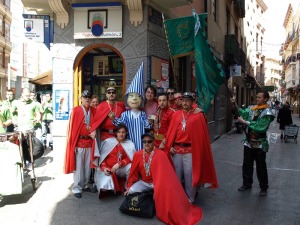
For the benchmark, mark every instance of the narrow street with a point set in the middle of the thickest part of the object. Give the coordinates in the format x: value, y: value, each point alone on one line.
x: 54, y: 204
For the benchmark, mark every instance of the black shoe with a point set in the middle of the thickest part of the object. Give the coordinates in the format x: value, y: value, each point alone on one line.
x: 281, y: 136
x: 244, y: 187
x: 263, y: 192
x: 87, y: 189
x: 94, y: 189
x: 78, y: 195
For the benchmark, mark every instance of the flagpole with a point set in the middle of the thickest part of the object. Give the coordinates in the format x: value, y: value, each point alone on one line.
x: 172, y: 64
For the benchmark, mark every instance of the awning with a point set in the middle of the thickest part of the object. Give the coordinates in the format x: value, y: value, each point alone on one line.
x: 42, y: 79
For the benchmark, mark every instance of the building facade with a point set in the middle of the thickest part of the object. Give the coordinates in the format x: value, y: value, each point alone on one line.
x: 133, y: 32
x: 5, y: 44
x: 273, y: 72
x: 291, y: 58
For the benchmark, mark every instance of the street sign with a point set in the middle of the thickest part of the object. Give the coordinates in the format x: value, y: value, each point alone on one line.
x: 268, y: 88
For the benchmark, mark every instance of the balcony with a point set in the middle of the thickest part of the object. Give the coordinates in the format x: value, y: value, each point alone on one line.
x: 239, y: 8
x: 232, y: 49
x: 292, y: 59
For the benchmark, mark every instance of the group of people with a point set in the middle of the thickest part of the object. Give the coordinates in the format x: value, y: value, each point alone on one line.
x: 149, y: 142
x: 26, y: 114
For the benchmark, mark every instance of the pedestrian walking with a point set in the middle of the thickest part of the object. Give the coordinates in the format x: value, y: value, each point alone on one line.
x: 47, y: 124
x: 284, y: 118
x: 257, y: 119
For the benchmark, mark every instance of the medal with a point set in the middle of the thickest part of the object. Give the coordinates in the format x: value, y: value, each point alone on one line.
x: 87, y: 117
x: 184, y: 121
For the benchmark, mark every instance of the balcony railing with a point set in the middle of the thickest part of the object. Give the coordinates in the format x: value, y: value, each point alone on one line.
x: 232, y: 49
x: 239, y: 8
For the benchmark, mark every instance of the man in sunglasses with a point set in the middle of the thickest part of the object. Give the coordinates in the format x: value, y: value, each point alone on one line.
x: 188, y: 148
x: 79, y: 144
x: 177, y: 101
x: 170, y: 93
x: 151, y: 166
x: 105, y: 111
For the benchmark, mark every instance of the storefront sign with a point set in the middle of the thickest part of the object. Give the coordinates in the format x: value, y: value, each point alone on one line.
x: 97, y: 20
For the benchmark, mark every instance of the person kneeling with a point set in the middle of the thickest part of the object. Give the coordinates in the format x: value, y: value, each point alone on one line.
x: 151, y: 170
x: 114, y: 163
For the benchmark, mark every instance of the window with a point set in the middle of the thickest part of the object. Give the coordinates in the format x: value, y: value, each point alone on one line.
x: 1, y: 58
x: 7, y: 3
x: 7, y: 32
x: 1, y: 27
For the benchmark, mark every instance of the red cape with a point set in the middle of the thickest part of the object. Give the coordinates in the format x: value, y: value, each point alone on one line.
x: 76, y: 123
x: 171, y: 203
x: 102, y: 112
x: 202, y: 159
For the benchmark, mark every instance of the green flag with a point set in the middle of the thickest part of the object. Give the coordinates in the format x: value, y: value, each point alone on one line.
x: 209, y: 73
x: 180, y: 36
x: 186, y: 36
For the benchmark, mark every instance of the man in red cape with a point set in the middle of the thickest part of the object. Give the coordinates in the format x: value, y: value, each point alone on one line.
x: 188, y: 143
x: 162, y: 120
x: 79, y: 144
x: 171, y: 203
x: 102, y: 122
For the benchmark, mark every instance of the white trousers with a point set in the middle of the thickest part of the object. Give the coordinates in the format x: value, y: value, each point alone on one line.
x: 183, y: 167
x: 83, y: 169
x: 104, y: 182
x: 140, y: 186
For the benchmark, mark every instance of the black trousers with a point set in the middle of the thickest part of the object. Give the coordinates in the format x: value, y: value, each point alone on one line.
x: 259, y: 156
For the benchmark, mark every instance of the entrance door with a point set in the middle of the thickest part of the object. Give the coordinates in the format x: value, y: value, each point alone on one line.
x: 102, y: 67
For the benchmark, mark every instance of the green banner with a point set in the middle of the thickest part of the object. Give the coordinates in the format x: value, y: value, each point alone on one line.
x: 180, y: 36
x: 182, y: 41
x: 209, y: 73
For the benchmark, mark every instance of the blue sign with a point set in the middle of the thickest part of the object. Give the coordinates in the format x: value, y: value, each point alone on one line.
x: 62, y: 104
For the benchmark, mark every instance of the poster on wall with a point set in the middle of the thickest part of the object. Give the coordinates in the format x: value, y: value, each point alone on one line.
x: 160, y: 73
x: 62, y: 104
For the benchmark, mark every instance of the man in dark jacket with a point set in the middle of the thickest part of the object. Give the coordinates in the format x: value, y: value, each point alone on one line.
x: 284, y: 118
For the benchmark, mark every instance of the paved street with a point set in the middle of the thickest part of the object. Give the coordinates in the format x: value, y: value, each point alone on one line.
x: 54, y: 204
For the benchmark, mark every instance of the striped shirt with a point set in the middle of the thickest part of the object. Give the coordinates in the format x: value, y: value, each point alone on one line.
x: 136, y: 122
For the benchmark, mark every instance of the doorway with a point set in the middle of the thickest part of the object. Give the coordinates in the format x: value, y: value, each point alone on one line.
x: 96, y: 68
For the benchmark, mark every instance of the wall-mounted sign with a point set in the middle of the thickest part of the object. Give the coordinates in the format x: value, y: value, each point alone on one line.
x: 235, y: 71
x: 37, y: 28
x: 97, y: 20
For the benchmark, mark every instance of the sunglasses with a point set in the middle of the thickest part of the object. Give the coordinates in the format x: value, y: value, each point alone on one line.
x: 170, y: 93
x: 86, y: 96
x: 111, y: 92
x: 148, y: 142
